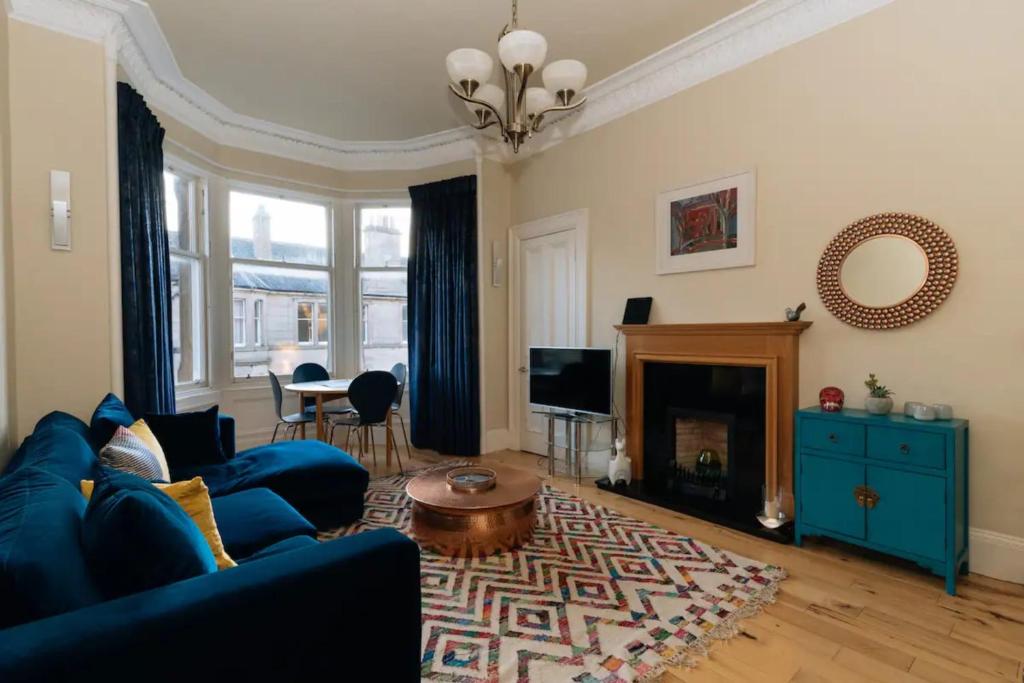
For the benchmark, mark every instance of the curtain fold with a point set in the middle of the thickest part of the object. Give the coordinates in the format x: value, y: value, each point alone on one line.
x: 444, y: 353
x: 145, y: 259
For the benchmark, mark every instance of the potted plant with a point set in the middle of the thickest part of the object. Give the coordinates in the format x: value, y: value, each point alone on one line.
x: 879, y: 400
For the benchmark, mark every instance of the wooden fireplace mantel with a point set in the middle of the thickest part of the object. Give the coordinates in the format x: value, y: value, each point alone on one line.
x: 773, y: 346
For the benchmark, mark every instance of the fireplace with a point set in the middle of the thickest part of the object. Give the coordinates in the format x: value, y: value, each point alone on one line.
x: 703, y: 429
x: 709, y: 418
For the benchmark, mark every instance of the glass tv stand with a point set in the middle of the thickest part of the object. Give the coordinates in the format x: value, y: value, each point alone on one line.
x: 578, y: 443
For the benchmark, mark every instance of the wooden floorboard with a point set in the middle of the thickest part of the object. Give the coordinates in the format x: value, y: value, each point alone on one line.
x: 842, y: 615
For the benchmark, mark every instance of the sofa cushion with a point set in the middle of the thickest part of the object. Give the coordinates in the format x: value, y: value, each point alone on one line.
x: 188, y: 439
x: 136, y: 537
x: 293, y: 543
x: 324, y: 484
x: 254, y: 519
x: 110, y: 414
x: 59, y: 418
x: 43, y: 570
x: 129, y: 453
x: 58, y: 450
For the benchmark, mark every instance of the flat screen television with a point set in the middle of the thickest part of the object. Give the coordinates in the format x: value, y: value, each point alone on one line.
x: 575, y: 380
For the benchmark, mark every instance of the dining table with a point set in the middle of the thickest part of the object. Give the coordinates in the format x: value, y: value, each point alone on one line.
x: 323, y: 391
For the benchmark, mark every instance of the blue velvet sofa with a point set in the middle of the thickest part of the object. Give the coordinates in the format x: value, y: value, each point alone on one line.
x: 294, y: 609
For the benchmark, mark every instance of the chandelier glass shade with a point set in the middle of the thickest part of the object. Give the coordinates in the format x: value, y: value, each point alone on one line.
x: 519, y: 109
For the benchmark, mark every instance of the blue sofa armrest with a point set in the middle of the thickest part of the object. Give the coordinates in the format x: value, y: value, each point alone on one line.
x: 348, y: 609
x: 227, y: 434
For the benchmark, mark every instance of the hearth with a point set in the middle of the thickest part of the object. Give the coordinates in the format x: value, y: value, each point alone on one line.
x: 709, y: 414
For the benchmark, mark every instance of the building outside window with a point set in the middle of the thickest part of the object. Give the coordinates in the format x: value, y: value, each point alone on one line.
x: 186, y: 237
x: 383, y: 257
x: 238, y: 315
x: 280, y: 258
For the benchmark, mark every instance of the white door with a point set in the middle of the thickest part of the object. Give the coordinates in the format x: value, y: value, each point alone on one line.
x: 549, y: 301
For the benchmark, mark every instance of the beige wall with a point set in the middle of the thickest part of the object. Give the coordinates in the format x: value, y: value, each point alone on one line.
x: 915, y: 107
x: 496, y: 205
x: 61, y: 308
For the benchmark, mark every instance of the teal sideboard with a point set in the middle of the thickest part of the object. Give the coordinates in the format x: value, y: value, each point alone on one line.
x: 890, y: 483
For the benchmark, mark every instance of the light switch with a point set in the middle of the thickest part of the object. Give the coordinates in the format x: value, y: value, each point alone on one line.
x: 60, y: 210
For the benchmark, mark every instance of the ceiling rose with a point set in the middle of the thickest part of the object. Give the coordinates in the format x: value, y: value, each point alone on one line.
x: 519, y: 109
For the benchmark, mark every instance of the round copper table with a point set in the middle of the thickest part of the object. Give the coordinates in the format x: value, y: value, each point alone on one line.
x: 462, y: 524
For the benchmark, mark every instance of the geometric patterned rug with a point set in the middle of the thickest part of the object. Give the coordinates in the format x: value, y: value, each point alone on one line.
x: 596, y: 597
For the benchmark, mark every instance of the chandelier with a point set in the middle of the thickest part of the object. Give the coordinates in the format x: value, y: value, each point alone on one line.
x: 519, y: 109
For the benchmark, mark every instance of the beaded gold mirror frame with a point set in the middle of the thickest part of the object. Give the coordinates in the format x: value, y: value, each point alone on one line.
x: 943, y: 265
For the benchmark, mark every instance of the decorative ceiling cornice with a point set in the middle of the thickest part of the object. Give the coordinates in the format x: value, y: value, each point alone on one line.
x: 131, y: 33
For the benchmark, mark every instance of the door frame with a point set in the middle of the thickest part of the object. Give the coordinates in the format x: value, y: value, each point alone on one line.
x: 578, y: 222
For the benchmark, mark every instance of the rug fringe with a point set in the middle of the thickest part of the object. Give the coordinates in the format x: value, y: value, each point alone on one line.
x: 729, y: 628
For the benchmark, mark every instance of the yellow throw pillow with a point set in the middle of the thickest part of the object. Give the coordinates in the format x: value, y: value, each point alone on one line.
x: 194, y: 498
x: 140, y: 429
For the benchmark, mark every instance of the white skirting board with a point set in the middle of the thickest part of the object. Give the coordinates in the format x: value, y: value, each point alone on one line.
x: 997, y: 555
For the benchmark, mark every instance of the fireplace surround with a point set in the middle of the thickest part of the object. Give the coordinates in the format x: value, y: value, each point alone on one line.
x: 742, y: 377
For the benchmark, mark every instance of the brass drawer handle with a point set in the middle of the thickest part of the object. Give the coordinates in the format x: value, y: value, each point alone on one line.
x: 905, y: 449
x: 866, y: 497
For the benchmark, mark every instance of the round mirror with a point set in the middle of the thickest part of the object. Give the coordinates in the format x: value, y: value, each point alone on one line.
x: 884, y: 271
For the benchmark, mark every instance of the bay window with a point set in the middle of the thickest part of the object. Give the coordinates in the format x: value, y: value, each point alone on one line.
x: 280, y: 261
x: 382, y: 259
x: 186, y: 237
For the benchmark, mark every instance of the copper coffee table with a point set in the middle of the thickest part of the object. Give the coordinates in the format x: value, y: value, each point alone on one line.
x: 463, y: 524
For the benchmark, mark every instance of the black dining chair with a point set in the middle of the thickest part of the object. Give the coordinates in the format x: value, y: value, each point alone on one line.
x: 371, y: 395
x: 314, y: 372
x: 292, y: 421
x: 401, y: 373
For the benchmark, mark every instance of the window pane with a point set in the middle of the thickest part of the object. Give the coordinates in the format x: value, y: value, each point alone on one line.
x: 384, y: 237
x: 239, y: 322
x: 177, y: 200
x: 321, y: 324
x: 289, y: 298
x: 304, y: 318
x: 384, y: 295
x: 272, y: 229
x: 257, y: 322
x: 186, y: 320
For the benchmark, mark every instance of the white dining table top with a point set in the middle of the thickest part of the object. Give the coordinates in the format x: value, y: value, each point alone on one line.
x: 323, y: 386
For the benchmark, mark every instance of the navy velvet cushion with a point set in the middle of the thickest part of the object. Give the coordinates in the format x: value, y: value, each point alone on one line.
x: 110, y: 414
x: 63, y: 420
x: 136, y: 537
x: 43, y: 571
x: 188, y: 439
x: 58, y: 450
x: 251, y: 520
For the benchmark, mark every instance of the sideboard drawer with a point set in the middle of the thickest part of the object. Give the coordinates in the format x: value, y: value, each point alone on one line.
x: 907, y: 446
x: 832, y: 436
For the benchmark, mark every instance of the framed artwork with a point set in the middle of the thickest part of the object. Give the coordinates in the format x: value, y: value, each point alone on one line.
x: 706, y: 226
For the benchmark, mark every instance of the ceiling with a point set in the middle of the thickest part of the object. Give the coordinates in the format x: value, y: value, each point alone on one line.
x: 359, y: 70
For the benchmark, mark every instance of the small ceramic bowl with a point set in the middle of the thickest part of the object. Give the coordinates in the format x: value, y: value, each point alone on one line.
x: 924, y: 413
x: 943, y: 411
x: 909, y: 407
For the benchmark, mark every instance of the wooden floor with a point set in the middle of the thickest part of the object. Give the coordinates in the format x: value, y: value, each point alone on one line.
x: 841, y: 615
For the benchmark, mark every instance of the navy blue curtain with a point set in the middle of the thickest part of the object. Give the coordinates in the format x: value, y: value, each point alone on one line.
x: 444, y: 360
x: 145, y: 258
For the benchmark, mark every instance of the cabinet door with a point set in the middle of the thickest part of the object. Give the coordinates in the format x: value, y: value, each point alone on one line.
x: 910, y: 513
x: 826, y: 495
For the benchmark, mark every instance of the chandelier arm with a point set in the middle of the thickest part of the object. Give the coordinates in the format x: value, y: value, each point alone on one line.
x: 538, y: 119
x: 465, y: 98
x: 481, y: 126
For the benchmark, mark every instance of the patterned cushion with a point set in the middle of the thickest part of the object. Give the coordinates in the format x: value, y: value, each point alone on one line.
x: 128, y: 453
x: 140, y: 429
